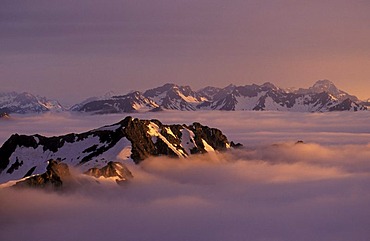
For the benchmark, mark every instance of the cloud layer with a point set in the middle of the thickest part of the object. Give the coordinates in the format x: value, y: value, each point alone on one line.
x: 270, y: 190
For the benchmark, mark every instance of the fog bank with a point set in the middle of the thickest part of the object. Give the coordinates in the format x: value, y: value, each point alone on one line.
x: 273, y: 189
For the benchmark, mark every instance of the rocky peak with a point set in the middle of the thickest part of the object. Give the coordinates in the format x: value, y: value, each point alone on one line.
x: 328, y: 87
x: 56, y: 176
x: 115, y: 170
x: 324, y: 86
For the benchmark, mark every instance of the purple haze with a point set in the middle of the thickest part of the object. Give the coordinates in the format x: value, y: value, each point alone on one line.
x: 70, y: 50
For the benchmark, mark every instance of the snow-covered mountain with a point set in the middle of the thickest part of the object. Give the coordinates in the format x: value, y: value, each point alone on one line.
x: 21, y: 103
x: 323, y: 96
x: 134, y: 101
x: 106, y: 96
x: 24, y: 156
x: 328, y: 87
x: 174, y: 97
x: 168, y: 96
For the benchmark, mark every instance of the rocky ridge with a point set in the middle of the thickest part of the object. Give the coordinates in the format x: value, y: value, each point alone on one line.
x: 102, y: 152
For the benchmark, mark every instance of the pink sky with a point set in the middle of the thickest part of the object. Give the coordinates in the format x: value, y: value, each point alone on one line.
x: 71, y: 50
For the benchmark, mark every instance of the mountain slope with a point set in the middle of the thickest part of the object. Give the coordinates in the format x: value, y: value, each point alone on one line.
x: 78, y: 106
x: 22, y: 156
x: 131, y: 102
x: 22, y: 103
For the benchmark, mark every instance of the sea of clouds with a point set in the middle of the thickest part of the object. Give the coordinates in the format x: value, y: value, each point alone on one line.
x: 272, y: 189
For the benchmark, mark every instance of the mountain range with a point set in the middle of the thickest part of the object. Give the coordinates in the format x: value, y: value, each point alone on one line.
x: 323, y: 96
x: 101, y: 153
x: 22, y: 103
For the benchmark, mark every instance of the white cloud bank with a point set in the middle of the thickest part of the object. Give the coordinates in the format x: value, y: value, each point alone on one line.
x: 273, y: 189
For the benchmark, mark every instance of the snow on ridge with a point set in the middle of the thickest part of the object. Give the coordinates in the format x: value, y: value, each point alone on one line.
x: 70, y: 153
x: 154, y: 130
x: 189, y: 98
x: 207, y: 147
x: 187, y: 140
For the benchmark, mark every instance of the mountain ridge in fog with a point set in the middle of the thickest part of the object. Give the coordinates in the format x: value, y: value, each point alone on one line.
x: 323, y: 96
x: 92, y: 152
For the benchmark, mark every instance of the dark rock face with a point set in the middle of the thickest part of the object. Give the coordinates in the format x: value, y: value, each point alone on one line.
x: 143, y: 145
x: 56, y: 175
x: 136, y: 132
x: 212, y: 136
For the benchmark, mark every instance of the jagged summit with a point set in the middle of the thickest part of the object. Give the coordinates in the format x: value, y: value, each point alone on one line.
x: 101, y: 150
x: 324, y: 85
x: 330, y: 88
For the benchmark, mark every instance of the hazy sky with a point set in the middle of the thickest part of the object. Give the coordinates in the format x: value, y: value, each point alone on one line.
x: 70, y: 50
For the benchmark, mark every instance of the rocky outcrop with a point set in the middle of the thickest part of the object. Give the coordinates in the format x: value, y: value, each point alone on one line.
x: 212, y: 136
x: 57, y: 175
